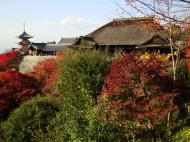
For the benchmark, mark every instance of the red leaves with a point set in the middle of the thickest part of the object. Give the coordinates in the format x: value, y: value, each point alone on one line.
x: 46, y: 72
x: 14, y: 88
x: 9, y: 60
x: 138, y: 89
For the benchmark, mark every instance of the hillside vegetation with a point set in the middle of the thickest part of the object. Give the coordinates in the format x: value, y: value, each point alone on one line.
x: 92, y: 96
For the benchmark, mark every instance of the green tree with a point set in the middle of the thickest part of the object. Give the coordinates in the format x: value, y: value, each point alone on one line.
x: 81, y: 81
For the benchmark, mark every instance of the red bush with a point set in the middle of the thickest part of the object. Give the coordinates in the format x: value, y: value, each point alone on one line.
x: 9, y: 60
x: 15, y: 88
x: 46, y: 72
x: 139, y: 89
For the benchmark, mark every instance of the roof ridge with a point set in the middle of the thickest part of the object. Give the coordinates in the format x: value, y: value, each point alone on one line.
x: 134, y: 18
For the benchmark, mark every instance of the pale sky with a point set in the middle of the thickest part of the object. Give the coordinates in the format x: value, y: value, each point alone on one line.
x: 49, y: 20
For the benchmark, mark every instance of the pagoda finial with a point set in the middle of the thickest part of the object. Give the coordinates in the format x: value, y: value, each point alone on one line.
x: 24, y: 26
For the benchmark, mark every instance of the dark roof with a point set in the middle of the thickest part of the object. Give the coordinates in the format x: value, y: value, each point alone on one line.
x: 51, y: 42
x: 125, y: 32
x: 55, y: 47
x: 25, y: 35
x: 156, y: 41
x: 39, y: 46
x: 67, y: 41
x: 47, y: 46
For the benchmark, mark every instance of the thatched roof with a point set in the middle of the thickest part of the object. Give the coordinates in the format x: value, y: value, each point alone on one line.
x: 128, y: 31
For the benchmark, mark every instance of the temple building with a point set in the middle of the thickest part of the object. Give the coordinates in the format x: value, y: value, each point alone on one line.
x: 50, y: 48
x: 127, y: 34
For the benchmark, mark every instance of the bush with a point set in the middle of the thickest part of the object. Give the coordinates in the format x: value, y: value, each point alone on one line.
x: 30, y: 120
x: 182, y: 72
x: 84, y: 71
x: 81, y: 80
x: 182, y: 87
x: 182, y: 136
x: 97, y: 129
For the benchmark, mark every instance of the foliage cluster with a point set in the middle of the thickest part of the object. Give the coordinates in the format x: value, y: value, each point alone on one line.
x: 9, y: 60
x: 46, y: 72
x: 15, y: 88
x: 96, y: 98
x: 138, y: 89
x: 30, y: 120
x: 81, y: 80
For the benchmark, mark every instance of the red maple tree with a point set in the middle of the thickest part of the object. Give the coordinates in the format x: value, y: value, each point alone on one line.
x: 9, y: 60
x: 15, y: 88
x: 139, y: 89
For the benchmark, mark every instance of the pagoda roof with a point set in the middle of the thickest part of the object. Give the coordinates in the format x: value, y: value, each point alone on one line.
x: 25, y: 35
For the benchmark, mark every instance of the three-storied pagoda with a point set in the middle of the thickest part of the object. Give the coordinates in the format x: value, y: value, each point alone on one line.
x: 24, y: 44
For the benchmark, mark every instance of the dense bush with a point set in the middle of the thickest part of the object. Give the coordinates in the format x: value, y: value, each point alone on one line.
x: 30, y: 120
x: 182, y: 72
x: 182, y: 136
x: 81, y: 80
x: 84, y: 71
x: 15, y: 88
x: 97, y: 129
x: 138, y: 89
x: 9, y: 60
x: 46, y: 72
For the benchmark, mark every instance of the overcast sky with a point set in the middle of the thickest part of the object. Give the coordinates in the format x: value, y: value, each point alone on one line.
x: 49, y: 20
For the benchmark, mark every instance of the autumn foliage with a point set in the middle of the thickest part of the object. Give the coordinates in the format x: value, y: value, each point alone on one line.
x: 9, y: 60
x: 46, y: 72
x: 139, y: 89
x: 15, y: 88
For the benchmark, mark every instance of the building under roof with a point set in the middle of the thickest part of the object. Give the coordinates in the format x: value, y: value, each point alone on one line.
x: 50, y: 48
x: 127, y: 34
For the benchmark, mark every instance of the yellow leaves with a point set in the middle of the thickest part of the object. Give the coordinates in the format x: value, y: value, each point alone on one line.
x: 164, y: 58
x: 144, y: 57
x: 188, y: 133
x: 168, y: 56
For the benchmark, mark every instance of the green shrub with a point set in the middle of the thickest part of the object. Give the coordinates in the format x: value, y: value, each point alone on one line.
x: 81, y: 81
x: 30, y: 120
x: 83, y: 73
x: 97, y: 129
x: 182, y: 136
x: 182, y: 72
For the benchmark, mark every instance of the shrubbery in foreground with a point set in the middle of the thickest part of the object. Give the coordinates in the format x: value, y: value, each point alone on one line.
x: 30, y: 120
x: 83, y: 117
x: 129, y: 101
